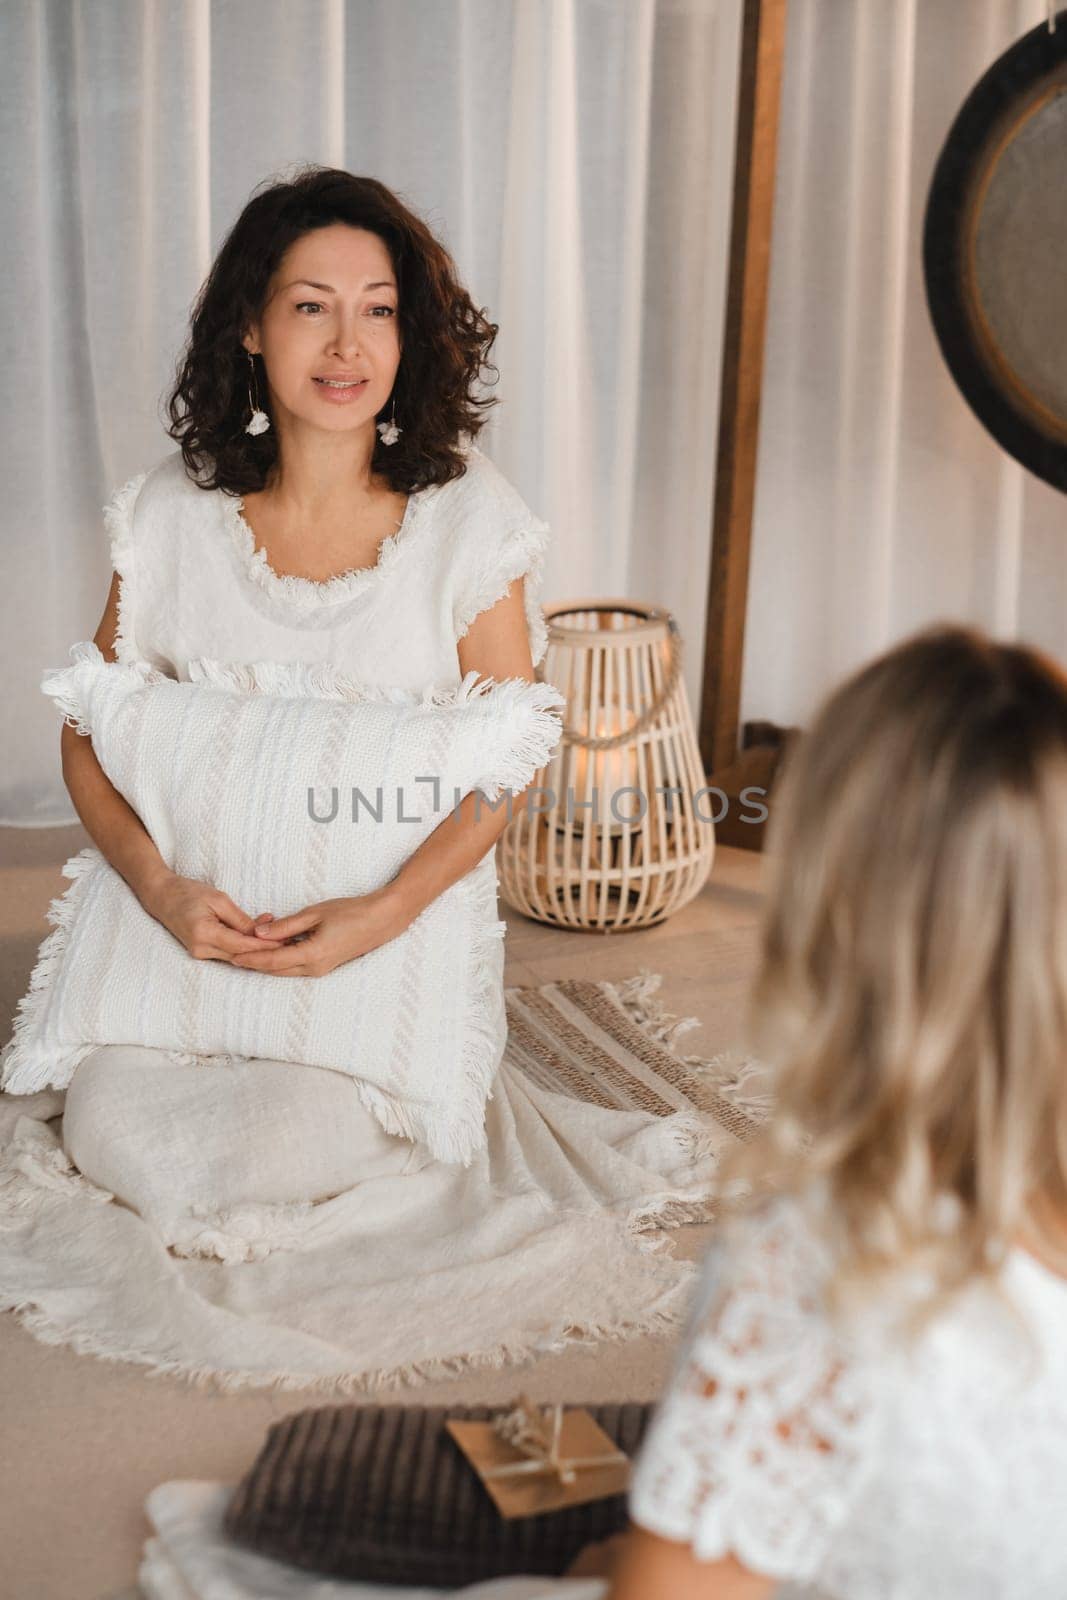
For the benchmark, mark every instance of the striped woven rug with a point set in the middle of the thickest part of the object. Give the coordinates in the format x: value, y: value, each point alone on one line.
x: 614, y: 1045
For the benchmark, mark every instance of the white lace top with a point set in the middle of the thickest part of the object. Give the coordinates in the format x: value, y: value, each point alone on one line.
x: 847, y: 1464
x: 194, y: 584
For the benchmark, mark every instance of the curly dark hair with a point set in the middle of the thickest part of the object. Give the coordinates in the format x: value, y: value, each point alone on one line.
x: 446, y: 340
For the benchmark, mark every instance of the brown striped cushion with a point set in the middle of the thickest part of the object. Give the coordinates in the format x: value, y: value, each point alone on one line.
x: 383, y: 1493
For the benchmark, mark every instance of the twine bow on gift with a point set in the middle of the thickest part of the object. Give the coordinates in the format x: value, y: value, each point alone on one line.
x: 537, y: 1435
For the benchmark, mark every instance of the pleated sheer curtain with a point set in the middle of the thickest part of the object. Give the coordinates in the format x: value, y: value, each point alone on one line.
x: 881, y: 504
x: 576, y: 156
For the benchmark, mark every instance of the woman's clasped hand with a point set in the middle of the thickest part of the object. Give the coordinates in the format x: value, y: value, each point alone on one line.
x: 307, y: 944
x: 314, y: 941
x: 204, y: 919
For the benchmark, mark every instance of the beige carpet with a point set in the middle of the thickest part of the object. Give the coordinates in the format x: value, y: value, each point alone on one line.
x: 85, y: 1441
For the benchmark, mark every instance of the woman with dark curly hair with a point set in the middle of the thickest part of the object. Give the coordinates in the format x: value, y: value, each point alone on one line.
x: 359, y: 352
x: 328, y: 505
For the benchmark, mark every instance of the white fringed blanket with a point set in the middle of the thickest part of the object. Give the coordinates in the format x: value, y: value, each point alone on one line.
x: 311, y: 1250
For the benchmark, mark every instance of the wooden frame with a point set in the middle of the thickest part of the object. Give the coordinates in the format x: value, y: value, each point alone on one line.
x: 762, y: 54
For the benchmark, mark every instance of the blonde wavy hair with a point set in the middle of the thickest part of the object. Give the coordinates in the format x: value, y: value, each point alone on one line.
x: 912, y: 987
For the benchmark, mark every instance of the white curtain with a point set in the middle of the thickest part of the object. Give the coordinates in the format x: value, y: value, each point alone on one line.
x: 576, y: 156
x: 881, y: 504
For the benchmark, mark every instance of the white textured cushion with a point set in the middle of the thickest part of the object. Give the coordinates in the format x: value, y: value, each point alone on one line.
x: 219, y: 770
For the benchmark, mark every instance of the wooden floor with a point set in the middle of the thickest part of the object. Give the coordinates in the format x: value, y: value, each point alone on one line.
x: 85, y: 1440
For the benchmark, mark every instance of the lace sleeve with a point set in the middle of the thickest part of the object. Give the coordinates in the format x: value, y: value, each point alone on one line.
x: 763, y: 1434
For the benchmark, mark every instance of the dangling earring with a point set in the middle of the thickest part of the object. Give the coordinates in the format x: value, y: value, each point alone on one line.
x: 389, y: 431
x: 259, y: 421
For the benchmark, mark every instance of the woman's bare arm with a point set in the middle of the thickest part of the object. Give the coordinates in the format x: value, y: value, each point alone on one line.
x: 205, y: 920
x: 108, y: 818
x: 496, y: 646
x: 644, y: 1566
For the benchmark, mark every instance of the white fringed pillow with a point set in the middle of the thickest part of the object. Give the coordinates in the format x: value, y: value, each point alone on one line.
x: 219, y: 769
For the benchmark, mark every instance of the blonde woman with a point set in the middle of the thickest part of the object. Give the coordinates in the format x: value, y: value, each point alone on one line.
x: 871, y: 1399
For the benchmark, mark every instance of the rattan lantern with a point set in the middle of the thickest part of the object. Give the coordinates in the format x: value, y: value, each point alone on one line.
x: 617, y: 832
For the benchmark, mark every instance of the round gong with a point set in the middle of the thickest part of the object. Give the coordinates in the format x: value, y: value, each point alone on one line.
x: 995, y: 250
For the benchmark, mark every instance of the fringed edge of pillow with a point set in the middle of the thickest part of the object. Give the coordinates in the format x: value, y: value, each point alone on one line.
x: 531, y: 713
x: 481, y: 1057
x: 70, y: 686
x: 25, y: 1067
x: 460, y: 1141
x: 322, y: 679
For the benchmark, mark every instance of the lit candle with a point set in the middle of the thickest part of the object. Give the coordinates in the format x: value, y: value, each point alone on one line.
x: 608, y: 772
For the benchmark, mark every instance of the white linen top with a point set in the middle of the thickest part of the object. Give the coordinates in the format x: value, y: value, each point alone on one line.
x: 846, y: 1463
x: 194, y: 584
